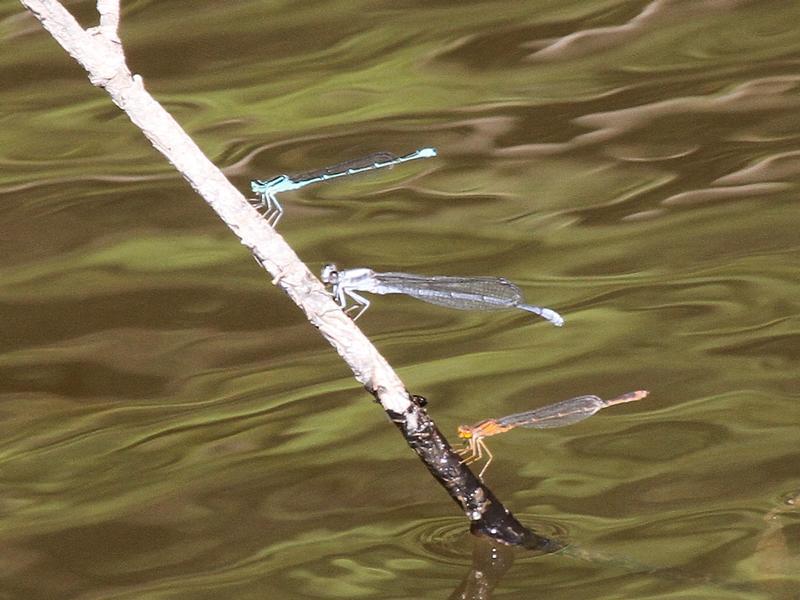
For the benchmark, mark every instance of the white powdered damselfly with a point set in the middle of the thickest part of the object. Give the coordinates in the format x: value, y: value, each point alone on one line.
x: 463, y: 293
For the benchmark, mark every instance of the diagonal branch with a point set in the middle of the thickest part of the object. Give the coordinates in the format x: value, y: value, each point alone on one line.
x: 100, y: 52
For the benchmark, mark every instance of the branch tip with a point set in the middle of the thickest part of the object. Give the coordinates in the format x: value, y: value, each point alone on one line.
x: 109, y: 20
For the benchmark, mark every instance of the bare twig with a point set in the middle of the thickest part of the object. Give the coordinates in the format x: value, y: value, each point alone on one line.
x: 109, y: 19
x: 100, y: 52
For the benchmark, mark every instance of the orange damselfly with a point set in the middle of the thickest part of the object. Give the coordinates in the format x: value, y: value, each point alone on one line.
x: 559, y: 414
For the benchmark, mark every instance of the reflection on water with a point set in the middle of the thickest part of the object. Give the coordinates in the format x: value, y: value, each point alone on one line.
x: 171, y: 427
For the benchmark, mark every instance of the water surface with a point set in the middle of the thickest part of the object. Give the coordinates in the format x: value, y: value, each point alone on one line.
x: 171, y: 427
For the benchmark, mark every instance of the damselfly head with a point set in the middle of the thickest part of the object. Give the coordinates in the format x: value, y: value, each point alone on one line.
x: 330, y: 274
x: 464, y: 432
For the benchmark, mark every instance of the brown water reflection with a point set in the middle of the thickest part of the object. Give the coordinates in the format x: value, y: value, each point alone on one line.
x: 171, y: 427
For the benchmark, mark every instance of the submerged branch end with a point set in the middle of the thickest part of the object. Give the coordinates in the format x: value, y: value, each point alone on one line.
x: 487, y: 514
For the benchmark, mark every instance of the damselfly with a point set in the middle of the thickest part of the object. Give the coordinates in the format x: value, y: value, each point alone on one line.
x: 268, y: 188
x: 559, y: 414
x: 463, y: 293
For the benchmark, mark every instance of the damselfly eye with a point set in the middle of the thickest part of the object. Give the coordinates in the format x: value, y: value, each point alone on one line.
x: 329, y: 274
